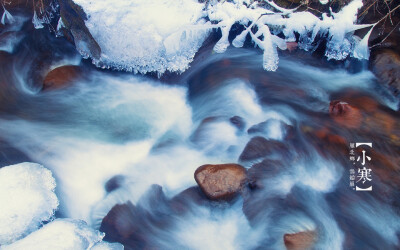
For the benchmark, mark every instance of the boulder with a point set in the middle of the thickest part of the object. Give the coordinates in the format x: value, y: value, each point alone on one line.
x: 300, y: 241
x: 259, y: 147
x: 221, y: 182
x: 345, y: 114
x: 61, y: 77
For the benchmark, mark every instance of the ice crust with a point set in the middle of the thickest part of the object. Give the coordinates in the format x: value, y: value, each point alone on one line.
x: 63, y: 234
x: 27, y: 199
x: 157, y: 36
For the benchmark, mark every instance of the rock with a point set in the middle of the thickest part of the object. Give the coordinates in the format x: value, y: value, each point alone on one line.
x: 119, y: 223
x: 74, y: 18
x: 221, y: 182
x: 61, y: 77
x: 271, y: 128
x: 266, y: 169
x: 300, y: 241
x: 345, y: 114
x: 386, y: 66
x: 259, y: 147
x: 185, y: 200
x: 291, y: 46
x: 114, y: 183
x: 238, y: 122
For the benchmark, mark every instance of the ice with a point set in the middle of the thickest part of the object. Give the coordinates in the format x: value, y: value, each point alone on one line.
x: 146, y: 35
x: 36, y: 22
x: 361, y: 50
x: 63, y: 234
x: 6, y: 17
x: 27, y: 199
x: 107, y: 246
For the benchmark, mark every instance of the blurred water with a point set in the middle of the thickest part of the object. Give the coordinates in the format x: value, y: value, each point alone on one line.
x: 146, y: 131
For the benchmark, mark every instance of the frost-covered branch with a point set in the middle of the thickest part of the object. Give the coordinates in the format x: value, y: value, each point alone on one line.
x: 269, y: 30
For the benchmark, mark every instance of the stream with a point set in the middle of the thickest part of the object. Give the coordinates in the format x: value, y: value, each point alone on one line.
x: 118, y: 138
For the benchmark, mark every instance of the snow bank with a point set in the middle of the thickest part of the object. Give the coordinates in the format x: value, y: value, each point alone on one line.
x: 146, y: 35
x: 27, y: 198
x: 64, y: 234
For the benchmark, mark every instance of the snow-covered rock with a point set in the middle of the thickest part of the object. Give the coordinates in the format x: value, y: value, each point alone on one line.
x: 146, y: 35
x: 27, y: 199
x: 63, y: 234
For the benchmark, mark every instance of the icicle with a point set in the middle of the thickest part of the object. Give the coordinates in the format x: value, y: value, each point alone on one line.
x: 239, y: 40
x: 36, y: 22
x: 7, y: 17
x: 361, y: 50
x: 223, y: 43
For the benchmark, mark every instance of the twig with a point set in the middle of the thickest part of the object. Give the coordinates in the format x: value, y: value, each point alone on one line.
x: 390, y: 16
x: 380, y: 43
x: 389, y: 13
x: 368, y: 7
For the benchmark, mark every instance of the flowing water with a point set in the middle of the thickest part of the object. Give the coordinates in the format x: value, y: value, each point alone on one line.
x: 117, y: 138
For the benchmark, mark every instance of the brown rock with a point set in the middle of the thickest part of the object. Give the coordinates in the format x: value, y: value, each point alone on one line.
x: 345, y: 114
x: 300, y: 241
x: 291, y: 46
x: 386, y: 66
x: 61, y: 76
x: 220, y: 182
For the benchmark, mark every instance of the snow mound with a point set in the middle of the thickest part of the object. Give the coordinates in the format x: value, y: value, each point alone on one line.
x: 63, y: 234
x: 27, y: 199
x: 146, y: 35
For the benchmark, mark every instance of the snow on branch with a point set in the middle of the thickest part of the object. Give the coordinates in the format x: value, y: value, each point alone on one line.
x: 270, y: 30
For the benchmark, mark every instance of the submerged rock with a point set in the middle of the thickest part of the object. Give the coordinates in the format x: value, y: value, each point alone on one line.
x: 259, y: 147
x: 345, y: 114
x: 386, y: 66
x: 238, y: 122
x: 119, y: 223
x: 300, y: 241
x: 61, y: 76
x: 221, y: 182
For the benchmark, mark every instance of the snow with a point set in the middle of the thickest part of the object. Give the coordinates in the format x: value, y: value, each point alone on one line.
x: 146, y: 35
x: 156, y: 36
x: 64, y: 234
x: 27, y: 199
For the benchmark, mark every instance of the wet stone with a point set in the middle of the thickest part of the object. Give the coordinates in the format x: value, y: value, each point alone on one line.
x: 221, y: 182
